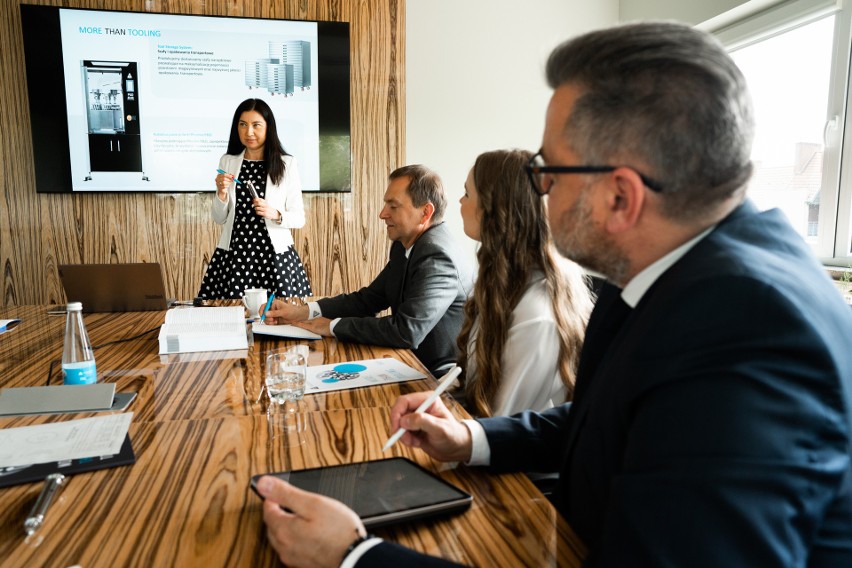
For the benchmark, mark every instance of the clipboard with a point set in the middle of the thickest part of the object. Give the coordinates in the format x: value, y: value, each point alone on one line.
x: 37, y: 472
x: 381, y: 492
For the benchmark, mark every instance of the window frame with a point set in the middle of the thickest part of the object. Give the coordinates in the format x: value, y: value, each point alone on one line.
x: 835, y: 216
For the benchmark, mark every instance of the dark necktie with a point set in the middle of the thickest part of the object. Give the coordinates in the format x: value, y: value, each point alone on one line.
x: 606, y: 319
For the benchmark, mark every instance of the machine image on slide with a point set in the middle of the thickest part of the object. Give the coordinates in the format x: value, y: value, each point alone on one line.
x: 112, y: 112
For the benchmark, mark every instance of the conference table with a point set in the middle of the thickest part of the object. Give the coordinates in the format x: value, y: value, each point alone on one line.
x: 202, y: 427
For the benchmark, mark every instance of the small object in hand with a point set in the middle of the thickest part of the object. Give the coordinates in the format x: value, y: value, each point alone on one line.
x: 253, y: 191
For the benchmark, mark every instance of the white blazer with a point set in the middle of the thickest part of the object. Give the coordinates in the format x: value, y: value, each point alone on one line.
x: 286, y: 197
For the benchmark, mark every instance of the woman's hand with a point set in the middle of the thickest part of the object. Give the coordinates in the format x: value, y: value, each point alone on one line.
x: 264, y: 210
x: 223, y: 182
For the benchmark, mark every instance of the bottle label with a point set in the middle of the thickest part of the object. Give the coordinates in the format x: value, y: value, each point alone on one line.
x: 79, y: 373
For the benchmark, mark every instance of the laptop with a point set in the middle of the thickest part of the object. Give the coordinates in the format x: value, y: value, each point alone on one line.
x: 135, y: 287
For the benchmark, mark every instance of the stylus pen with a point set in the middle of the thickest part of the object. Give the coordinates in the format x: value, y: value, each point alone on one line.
x: 36, y: 517
x: 227, y: 174
x: 446, y: 380
x: 268, y: 305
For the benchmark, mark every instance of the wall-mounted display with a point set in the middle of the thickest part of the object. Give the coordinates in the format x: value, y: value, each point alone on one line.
x: 129, y: 101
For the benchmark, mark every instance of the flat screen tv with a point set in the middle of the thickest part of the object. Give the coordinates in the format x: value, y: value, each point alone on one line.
x: 143, y: 102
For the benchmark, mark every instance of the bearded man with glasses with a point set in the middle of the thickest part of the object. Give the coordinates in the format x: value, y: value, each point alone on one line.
x: 712, y: 416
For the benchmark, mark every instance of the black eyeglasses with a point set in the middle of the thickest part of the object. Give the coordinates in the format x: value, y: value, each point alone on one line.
x: 536, y: 170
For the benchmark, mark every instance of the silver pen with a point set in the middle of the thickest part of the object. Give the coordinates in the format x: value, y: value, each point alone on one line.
x: 52, y: 483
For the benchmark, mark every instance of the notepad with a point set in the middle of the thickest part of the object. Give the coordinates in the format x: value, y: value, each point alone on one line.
x: 284, y: 331
x: 56, y: 399
x: 189, y: 330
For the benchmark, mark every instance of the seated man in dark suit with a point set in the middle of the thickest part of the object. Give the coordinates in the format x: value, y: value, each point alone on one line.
x: 425, y: 282
x: 712, y: 416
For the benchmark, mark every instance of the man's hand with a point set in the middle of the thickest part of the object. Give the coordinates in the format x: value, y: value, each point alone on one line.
x: 316, y: 532
x: 282, y: 312
x: 321, y: 326
x: 435, y: 431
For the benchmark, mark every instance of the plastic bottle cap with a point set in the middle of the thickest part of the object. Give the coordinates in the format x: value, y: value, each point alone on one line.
x: 74, y: 307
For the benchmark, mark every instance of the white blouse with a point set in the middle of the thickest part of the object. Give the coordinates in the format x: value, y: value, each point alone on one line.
x: 530, y: 378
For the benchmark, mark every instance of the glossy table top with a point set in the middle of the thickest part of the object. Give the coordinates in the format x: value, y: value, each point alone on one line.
x: 202, y: 427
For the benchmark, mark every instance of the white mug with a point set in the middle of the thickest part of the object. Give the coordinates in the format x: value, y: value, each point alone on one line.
x: 254, y: 300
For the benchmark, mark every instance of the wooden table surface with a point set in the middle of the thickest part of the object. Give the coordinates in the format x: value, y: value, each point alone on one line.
x: 201, y: 428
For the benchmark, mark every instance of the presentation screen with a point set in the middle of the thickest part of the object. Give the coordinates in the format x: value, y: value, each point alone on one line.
x: 140, y: 102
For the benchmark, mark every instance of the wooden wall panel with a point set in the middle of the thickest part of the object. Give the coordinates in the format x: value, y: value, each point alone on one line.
x: 343, y: 243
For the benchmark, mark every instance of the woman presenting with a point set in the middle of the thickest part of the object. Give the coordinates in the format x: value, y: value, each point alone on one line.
x: 256, y: 246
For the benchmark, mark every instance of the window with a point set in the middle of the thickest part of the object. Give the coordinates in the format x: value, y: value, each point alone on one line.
x: 795, y: 57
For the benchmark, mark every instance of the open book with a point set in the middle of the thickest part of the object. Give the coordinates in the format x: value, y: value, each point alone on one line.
x: 189, y: 330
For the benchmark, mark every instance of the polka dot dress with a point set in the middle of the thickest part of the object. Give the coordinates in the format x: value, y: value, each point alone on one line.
x: 251, y: 261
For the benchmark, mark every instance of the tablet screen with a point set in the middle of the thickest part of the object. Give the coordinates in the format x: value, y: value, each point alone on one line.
x: 381, y: 491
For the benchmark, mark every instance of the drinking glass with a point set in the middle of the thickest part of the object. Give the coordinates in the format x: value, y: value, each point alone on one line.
x: 285, y: 386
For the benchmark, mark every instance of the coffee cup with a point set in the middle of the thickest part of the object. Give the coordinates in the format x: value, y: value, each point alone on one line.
x: 254, y: 300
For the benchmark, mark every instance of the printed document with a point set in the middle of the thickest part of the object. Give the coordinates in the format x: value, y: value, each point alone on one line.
x: 353, y: 374
x: 58, y: 441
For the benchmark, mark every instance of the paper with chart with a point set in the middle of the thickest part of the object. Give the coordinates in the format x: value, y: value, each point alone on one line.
x: 354, y: 374
x: 58, y: 441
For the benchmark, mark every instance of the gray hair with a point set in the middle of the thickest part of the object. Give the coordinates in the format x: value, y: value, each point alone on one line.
x: 424, y: 186
x: 664, y: 97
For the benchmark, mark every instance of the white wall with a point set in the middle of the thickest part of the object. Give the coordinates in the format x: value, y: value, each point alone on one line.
x: 475, y: 79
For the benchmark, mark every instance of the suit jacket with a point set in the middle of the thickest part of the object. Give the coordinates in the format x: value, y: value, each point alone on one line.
x: 714, y: 427
x: 286, y: 197
x: 711, y: 426
x: 426, y: 293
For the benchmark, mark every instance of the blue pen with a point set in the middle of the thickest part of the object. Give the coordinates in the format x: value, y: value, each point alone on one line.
x: 268, y: 305
x: 227, y: 174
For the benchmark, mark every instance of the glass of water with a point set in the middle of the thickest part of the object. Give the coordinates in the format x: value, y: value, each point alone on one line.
x: 285, y: 383
x: 285, y: 374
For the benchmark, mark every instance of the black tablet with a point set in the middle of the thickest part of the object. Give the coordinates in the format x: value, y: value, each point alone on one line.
x: 381, y: 492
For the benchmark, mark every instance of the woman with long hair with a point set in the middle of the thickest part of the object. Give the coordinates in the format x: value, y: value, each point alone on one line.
x: 258, y: 200
x: 524, y: 323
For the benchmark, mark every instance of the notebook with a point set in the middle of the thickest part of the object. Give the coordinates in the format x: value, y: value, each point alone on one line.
x: 381, y: 492
x: 283, y: 330
x: 135, y: 287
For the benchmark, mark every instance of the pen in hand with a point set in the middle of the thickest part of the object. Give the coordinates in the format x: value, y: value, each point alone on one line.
x: 232, y: 177
x: 36, y: 517
x: 268, y: 305
x: 446, y: 381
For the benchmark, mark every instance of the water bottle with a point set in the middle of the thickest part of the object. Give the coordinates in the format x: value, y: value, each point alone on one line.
x: 78, y: 359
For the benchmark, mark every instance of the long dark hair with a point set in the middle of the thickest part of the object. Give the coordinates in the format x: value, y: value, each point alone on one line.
x: 273, y: 149
x: 507, y: 261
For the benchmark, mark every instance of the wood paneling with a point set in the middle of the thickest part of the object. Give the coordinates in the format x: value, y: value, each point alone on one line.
x: 343, y: 243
